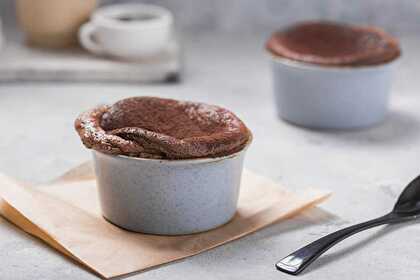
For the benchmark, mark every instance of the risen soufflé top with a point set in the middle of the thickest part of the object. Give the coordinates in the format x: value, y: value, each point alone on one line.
x: 334, y: 44
x: 157, y: 128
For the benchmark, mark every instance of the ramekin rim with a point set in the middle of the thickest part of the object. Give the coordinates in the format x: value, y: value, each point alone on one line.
x: 319, y: 67
x: 182, y: 161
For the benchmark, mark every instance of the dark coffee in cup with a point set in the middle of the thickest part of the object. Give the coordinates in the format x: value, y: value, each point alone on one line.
x: 135, y: 17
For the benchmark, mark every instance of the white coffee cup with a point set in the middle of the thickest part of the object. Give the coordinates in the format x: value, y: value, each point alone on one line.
x: 127, y: 30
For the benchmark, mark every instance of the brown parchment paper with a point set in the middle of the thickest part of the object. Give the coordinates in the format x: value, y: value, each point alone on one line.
x: 66, y: 215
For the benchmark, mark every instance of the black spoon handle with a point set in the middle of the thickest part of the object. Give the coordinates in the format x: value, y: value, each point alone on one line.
x: 299, y: 260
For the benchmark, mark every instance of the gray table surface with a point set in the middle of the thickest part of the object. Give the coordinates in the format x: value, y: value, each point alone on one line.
x: 365, y: 169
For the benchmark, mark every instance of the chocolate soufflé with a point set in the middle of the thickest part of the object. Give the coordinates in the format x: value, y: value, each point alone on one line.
x: 157, y: 128
x: 334, y: 44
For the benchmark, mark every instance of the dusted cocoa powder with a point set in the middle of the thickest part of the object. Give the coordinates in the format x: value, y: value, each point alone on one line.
x: 151, y: 127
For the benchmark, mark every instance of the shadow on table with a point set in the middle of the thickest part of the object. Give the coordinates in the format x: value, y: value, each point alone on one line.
x: 398, y: 128
x: 314, y: 216
x: 295, y: 223
x: 330, y: 258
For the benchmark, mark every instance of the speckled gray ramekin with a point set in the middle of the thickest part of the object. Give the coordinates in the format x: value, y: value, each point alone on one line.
x: 326, y: 97
x: 168, y: 197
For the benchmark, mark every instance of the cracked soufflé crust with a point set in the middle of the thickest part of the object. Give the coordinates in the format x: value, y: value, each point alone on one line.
x: 151, y: 127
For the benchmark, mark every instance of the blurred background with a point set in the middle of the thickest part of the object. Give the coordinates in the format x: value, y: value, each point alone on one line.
x: 196, y: 24
x: 398, y: 17
x: 221, y: 61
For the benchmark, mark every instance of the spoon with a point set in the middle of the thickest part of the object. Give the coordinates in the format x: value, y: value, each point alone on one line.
x: 407, y: 208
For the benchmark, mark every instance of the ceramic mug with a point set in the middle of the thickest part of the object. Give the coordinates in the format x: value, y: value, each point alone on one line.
x: 53, y: 23
x: 325, y: 97
x: 127, y: 30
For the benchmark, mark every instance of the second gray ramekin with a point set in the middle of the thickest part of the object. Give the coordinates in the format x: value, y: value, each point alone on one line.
x: 326, y: 97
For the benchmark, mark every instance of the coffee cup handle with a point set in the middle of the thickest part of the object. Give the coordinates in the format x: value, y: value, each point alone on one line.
x: 86, y: 39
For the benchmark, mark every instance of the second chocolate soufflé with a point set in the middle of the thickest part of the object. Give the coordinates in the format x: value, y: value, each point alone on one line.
x: 334, y: 44
x: 151, y: 127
